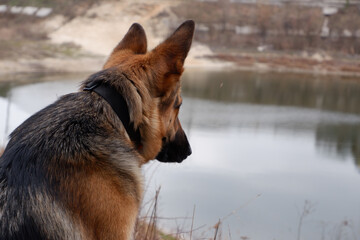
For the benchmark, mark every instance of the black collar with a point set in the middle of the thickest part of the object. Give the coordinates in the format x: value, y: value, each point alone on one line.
x: 119, y: 105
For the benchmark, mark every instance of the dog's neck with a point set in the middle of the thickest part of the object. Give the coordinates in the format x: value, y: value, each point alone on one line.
x: 120, y: 107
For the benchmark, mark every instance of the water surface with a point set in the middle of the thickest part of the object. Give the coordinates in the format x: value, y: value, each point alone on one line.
x: 275, y: 156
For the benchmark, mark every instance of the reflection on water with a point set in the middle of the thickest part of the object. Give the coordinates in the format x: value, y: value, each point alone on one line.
x: 264, y: 146
x: 310, y: 91
x: 324, y: 93
x: 343, y: 139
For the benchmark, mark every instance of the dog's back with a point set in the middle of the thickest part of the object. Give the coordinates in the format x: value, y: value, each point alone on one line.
x: 27, y: 182
x: 50, y: 159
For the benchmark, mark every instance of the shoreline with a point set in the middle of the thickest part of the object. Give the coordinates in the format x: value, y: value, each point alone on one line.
x: 281, y: 62
x: 83, y: 43
x: 220, y: 62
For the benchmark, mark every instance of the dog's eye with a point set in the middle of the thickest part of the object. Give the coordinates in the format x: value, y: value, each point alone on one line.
x: 178, y: 102
x: 177, y: 106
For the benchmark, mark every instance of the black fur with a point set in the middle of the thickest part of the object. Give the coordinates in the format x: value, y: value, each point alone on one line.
x: 41, y: 152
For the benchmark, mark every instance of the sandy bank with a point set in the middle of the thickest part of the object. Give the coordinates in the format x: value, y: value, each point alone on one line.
x: 101, y: 27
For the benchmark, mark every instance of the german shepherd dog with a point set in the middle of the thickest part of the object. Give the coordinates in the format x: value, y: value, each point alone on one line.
x: 73, y: 169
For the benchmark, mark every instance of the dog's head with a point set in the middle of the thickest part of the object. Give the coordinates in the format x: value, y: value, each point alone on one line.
x: 157, y: 71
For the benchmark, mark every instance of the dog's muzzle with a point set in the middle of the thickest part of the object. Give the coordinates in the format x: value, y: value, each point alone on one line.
x: 175, y: 151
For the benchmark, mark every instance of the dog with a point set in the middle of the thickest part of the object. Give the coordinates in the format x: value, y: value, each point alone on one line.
x: 73, y: 169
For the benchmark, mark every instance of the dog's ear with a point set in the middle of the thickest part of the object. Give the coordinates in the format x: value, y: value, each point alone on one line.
x: 169, y: 56
x: 134, y: 40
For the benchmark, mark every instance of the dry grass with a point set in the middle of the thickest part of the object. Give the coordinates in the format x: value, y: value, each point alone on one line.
x: 146, y: 226
x: 147, y: 229
x: 28, y: 49
x: 15, y: 27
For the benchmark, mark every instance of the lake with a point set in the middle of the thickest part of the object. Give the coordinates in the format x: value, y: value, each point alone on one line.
x: 275, y: 156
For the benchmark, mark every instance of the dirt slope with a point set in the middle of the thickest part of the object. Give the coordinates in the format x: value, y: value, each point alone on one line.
x: 103, y: 26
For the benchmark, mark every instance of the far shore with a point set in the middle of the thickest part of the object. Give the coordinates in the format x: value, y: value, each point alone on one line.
x: 263, y: 62
x: 60, y: 43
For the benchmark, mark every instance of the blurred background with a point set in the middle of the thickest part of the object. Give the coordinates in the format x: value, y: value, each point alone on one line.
x: 271, y: 106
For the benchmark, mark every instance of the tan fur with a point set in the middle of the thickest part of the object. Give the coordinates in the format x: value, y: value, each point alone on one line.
x: 156, y: 75
x: 109, y: 203
x: 107, y: 209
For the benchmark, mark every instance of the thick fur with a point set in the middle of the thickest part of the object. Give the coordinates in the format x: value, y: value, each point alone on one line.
x: 70, y: 171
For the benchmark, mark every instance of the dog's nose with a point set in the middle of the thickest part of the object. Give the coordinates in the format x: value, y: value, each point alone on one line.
x: 189, y: 152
